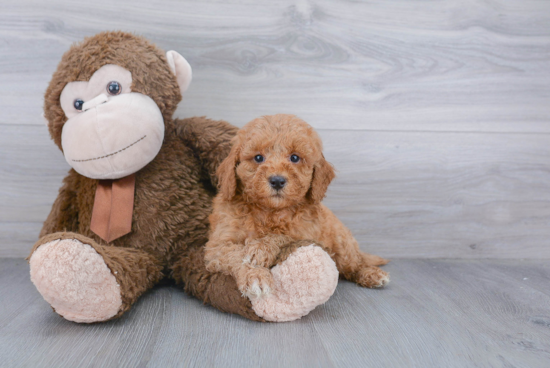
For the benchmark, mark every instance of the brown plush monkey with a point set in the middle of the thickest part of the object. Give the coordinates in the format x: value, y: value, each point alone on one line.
x: 134, y: 207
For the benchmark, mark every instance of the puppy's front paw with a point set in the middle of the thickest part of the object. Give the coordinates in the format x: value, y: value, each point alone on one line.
x: 213, y: 266
x: 263, y: 252
x: 258, y: 257
x: 255, y: 282
x: 372, y: 277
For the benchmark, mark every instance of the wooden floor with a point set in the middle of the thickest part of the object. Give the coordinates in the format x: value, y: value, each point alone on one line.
x: 434, y: 313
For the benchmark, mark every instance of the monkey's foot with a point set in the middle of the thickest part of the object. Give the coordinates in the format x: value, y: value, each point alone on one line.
x: 306, y: 279
x: 75, y: 280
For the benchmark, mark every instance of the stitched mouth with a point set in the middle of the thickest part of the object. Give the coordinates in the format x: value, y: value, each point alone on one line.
x: 112, y: 154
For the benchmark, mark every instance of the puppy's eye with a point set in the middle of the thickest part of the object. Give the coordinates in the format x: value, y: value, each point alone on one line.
x: 114, y: 88
x: 295, y: 158
x: 78, y: 103
x: 259, y: 158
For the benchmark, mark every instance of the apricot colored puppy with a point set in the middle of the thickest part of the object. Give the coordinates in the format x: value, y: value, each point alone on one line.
x: 271, y: 187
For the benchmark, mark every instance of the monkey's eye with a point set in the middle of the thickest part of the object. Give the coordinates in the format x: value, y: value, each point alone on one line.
x: 295, y: 158
x: 259, y: 158
x: 114, y: 88
x: 78, y: 103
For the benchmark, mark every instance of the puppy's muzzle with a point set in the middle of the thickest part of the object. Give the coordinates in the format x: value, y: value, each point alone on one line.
x: 277, y: 182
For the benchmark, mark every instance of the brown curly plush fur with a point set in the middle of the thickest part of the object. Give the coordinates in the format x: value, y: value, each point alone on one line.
x: 173, y: 193
x: 252, y: 221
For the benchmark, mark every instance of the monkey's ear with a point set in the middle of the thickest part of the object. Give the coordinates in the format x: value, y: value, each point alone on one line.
x: 181, y: 68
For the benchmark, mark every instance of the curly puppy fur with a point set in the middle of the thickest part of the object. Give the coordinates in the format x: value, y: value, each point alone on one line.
x: 253, y: 221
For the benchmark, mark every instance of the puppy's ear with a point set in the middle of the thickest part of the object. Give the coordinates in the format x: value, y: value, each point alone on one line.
x: 323, y: 173
x: 227, y: 178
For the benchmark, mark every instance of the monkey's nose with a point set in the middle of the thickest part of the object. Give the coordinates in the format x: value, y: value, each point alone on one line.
x: 277, y: 182
x: 98, y: 100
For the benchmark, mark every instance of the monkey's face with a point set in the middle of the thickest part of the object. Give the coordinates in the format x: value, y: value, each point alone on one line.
x: 111, y: 132
x: 109, y: 100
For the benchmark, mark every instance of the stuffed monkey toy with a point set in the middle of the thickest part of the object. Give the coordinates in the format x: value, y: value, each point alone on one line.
x: 134, y: 207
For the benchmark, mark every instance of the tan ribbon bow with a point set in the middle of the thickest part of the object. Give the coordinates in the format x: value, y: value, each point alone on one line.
x: 113, y: 207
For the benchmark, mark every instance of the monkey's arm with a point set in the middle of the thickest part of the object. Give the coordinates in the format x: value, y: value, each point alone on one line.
x: 210, y: 139
x: 64, y: 213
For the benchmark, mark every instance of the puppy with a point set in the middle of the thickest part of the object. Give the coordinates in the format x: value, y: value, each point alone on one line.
x: 271, y: 187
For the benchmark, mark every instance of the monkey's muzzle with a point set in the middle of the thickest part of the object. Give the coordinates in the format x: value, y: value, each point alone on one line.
x: 113, y: 137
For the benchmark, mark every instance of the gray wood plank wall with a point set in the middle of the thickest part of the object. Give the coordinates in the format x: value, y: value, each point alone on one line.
x: 435, y: 113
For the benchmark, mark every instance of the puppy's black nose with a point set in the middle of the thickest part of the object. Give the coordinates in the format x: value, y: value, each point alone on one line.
x: 277, y: 182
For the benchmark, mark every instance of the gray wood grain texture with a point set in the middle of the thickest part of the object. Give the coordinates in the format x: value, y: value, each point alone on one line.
x: 405, y: 65
x: 435, y: 113
x: 434, y: 313
x: 403, y: 194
